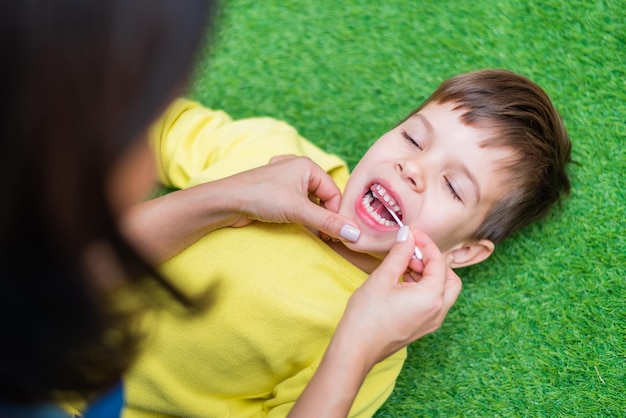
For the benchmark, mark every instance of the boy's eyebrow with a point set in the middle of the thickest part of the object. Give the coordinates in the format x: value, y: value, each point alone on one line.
x: 424, y: 121
x: 464, y: 169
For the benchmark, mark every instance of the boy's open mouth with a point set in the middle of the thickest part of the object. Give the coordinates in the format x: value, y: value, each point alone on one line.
x: 376, y: 200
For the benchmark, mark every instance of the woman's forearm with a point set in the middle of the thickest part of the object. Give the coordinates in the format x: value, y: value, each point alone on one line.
x: 333, y: 388
x: 161, y: 227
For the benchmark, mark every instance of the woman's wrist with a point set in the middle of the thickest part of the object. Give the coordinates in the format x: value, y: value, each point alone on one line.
x: 161, y: 227
x: 337, y: 380
x: 207, y: 207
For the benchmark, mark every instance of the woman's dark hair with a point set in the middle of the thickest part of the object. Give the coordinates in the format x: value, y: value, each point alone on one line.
x: 80, y: 81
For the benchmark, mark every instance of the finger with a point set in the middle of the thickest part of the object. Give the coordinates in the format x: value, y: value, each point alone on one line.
x: 452, y: 289
x: 450, y: 295
x: 397, y: 261
x: 318, y: 182
x: 324, y: 237
x: 416, y: 265
x: 435, y: 269
x: 327, y: 221
x: 322, y: 186
x: 330, y: 224
x: 242, y: 222
x: 426, y: 245
x: 278, y: 158
x: 412, y: 276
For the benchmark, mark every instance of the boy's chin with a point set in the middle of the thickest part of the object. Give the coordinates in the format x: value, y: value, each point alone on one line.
x: 375, y: 253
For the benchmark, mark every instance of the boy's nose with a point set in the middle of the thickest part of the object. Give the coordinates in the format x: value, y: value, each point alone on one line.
x: 410, y: 171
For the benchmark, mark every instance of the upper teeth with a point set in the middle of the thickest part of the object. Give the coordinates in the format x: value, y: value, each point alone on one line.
x: 380, y: 191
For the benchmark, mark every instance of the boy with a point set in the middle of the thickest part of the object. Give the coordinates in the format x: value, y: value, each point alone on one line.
x: 484, y: 156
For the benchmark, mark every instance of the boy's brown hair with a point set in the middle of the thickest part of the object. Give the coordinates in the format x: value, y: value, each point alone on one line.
x: 522, y: 117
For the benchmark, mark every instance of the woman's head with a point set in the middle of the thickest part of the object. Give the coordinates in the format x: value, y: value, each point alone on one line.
x: 81, y: 81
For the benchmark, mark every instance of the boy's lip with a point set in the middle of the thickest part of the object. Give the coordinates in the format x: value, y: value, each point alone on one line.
x: 362, y: 213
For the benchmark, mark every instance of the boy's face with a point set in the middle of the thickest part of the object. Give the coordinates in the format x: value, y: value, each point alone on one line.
x: 432, y: 169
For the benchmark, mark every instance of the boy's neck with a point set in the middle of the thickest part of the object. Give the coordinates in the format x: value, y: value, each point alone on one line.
x: 365, y: 262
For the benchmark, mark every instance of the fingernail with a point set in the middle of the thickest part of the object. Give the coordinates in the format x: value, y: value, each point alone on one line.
x: 349, y: 233
x: 403, y: 234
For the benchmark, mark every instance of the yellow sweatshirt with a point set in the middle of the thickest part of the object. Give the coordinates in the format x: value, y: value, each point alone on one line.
x: 279, y: 291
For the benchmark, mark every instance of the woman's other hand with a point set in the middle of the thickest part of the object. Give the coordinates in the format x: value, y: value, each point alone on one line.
x: 384, y: 315
x: 293, y: 189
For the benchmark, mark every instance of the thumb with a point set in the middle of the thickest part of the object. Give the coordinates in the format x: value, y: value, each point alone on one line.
x: 397, y: 261
x: 329, y: 223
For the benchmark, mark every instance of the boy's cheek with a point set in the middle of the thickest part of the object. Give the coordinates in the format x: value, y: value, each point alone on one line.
x: 346, y: 208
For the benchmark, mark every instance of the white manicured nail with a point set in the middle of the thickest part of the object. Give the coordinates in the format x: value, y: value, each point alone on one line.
x: 403, y: 234
x: 349, y: 233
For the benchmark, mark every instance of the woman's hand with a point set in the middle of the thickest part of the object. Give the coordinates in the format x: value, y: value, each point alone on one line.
x: 278, y: 192
x: 288, y: 190
x: 386, y: 314
x: 382, y: 316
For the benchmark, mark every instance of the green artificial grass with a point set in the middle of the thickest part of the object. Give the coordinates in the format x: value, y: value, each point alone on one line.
x: 539, y: 329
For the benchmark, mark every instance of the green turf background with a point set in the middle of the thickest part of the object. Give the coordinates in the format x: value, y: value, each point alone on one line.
x: 539, y: 329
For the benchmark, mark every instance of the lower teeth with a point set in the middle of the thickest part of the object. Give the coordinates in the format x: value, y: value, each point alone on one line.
x: 367, y: 200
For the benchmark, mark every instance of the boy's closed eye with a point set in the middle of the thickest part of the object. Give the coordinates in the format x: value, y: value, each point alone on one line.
x: 411, y: 140
x: 452, y: 187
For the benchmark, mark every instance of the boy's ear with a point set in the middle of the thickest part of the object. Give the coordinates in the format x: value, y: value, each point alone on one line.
x: 470, y: 253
